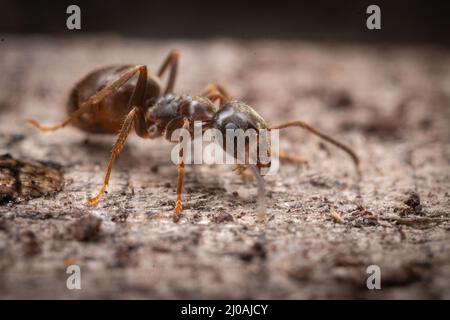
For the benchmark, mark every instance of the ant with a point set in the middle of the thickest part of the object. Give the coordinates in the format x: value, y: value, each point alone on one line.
x: 110, y: 100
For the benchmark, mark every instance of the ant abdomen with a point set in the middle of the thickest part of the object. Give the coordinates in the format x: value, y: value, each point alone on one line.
x: 106, y: 116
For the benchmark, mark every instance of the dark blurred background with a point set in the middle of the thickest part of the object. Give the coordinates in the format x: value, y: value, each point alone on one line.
x: 402, y: 21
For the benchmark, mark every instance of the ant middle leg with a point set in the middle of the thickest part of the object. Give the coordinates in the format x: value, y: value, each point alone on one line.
x: 172, y: 62
x: 93, y: 100
x: 124, y: 132
x: 181, y: 171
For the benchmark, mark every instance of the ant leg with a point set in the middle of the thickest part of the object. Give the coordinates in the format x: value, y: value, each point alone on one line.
x: 283, y: 155
x: 123, y: 134
x: 216, y: 92
x: 306, y: 126
x: 94, y: 100
x: 261, y: 198
x: 241, y: 170
x: 137, y: 99
x: 180, y: 168
x: 172, y: 61
x: 216, y: 88
x: 135, y: 116
x: 179, y: 204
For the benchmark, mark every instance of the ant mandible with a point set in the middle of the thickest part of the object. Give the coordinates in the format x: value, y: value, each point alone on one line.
x: 111, y: 100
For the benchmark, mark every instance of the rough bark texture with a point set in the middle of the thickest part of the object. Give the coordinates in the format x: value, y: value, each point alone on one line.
x: 325, y: 227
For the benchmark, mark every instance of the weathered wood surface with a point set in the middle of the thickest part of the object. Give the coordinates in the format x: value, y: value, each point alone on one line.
x: 390, y: 104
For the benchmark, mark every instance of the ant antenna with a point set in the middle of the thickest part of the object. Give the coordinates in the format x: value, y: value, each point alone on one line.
x: 338, y: 144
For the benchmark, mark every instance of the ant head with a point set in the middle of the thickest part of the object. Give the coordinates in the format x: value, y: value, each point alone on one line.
x: 233, y: 117
x: 237, y: 115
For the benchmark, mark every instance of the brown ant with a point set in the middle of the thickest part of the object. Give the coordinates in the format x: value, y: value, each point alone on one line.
x: 111, y: 100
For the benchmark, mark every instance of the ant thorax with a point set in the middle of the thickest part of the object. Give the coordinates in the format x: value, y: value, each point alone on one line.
x: 170, y: 107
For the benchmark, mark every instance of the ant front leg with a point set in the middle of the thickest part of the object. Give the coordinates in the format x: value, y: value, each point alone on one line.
x: 216, y: 92
x: 137, y: 117
x: 242, y: 171
x: 94, y: 100
x: 181, y: 171
x: 172, y: 62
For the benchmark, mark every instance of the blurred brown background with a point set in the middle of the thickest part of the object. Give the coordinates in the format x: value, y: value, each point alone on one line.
x: 402, y: 21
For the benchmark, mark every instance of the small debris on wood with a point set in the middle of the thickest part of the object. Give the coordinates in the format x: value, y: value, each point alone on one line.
x: 86, y: 228
x: 222, y: 217
x: 120, y: 217
x: 336, y: 216
x: 20, y: 180
x: 339, y: 99
x: 413, y: 200
x: 130, y: 187
x: 411, y: 205
x: 364, y: 218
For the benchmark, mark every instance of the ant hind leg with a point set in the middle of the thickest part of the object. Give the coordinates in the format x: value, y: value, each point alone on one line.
x: 136, y: 117
x: 123, y: 134
x: 92, y: 101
